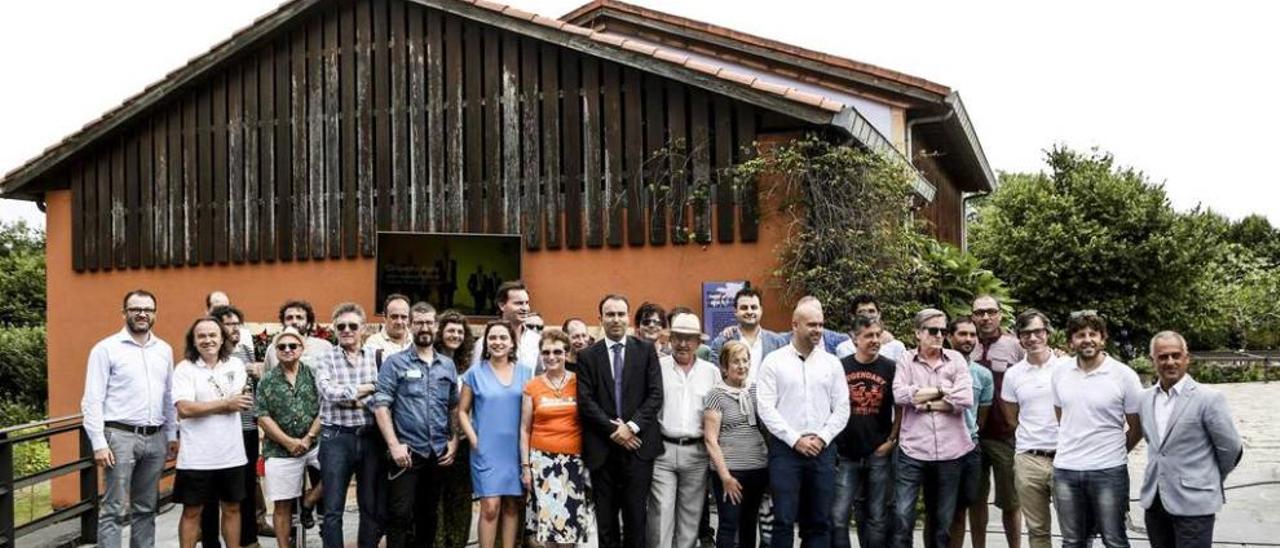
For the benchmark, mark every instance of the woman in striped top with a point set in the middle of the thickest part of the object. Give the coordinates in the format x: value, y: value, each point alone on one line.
x: 737, y: 449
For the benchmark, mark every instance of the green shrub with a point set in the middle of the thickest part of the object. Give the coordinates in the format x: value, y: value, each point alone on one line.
x: 22, y: 366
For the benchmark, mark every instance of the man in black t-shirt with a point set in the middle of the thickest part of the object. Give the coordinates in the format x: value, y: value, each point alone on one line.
x: 867, y: 442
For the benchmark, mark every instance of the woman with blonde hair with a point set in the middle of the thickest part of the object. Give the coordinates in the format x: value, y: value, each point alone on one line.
x: 739, y: 458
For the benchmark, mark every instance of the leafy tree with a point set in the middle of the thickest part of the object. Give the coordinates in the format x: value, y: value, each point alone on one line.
x: 1088, y: 234
x: 1256, y: 235
x: 22, y: 279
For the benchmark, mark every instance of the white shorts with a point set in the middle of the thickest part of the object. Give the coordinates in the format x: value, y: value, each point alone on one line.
x: 283, y: 479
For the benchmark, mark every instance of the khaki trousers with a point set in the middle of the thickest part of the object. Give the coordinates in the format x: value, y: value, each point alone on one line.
x: 1033, y: 481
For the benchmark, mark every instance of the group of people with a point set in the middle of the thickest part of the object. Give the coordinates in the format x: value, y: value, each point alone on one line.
x: 560, y: 437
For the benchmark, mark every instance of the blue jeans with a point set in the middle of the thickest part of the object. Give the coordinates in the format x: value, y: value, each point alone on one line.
x: 737, y: 526
x: 344, y: 452
x: 866, y: 482
x: 803, y: 488
x: 941, y: 482
x: 1092, y: 500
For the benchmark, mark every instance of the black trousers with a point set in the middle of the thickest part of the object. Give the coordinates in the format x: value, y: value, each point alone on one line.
x: 211, y: 526
x: 412, y: 501
x: 621, y: 485
x: 1165, y: 530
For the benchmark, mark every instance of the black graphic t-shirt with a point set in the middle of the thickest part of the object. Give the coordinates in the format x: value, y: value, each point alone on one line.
x: 870, y: 406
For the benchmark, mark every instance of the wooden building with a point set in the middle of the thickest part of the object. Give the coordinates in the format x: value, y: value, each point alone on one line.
x: 266, y: 166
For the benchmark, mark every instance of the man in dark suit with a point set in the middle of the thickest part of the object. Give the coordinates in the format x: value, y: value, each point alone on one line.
x: 619, y: 397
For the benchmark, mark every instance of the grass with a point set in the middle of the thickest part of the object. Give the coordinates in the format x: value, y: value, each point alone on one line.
x: 31, y: 503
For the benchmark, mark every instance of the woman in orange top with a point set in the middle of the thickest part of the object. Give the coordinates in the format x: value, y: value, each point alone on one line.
x: 551, y: 451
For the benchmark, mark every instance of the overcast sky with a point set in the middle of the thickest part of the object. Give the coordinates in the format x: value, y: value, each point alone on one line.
x: 1183, y: 91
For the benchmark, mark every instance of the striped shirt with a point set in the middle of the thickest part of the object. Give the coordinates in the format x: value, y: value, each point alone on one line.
x: 741, y: 442
x: 339, y: 381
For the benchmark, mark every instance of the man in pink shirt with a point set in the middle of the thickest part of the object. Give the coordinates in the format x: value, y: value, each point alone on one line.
x: 933, y: 388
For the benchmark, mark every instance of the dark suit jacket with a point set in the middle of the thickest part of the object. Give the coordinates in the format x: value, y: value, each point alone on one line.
x: 641, y: 399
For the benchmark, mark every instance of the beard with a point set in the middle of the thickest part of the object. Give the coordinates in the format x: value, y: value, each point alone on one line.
x: 423, y: 340
x: 134, y: 329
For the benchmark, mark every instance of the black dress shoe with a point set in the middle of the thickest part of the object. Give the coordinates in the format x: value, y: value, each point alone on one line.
x: 308, y: 518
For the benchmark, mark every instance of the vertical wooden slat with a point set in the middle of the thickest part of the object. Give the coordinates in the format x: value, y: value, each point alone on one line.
x: 501, y: 131
x: 748, y: 199
x: 252, y: 155
x: 419, y: 199
x: 218, y: 134
x: 633, y: 152
x: 308, y: 135
x: 591, y: 139
x: 90, y: 205
x: 613, y: 185
x: 284, y: 149
x: 529, y: 218
x: 77, y: 223
x: 268, y: 145
x: 132, y: 230
x: 235, y: 166
x: 504, y: 214
x: 205, y: 169
x: 474, y: 154
x: 160, y: 180
x: 177, y: 187
x: 570, y: 83
x: 315, y: 219
x: 350, y: 121
x: 402, y: 211
x: 679, y: 154
x: 652, y: 170
x: 723, y: 162
x: 435, y: 121
x: 146, y: 196
x: 106, y: 245
x: 700, y: 148
x: 454, y: 174
x: 190, y: 180
x: 119, y: 205
x: 299, y: 183
x: 367, y: 210
x: 332, y: 141
x: 381, y: 116
x: 552, y: 198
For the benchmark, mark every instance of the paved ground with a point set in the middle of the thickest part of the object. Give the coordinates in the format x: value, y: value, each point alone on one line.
x: 1250, y: 517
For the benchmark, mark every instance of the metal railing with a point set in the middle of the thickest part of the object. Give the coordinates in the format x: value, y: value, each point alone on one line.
x: 85, y: 508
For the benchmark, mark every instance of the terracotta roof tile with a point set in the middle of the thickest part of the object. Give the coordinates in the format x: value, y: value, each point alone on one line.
x: 639, y: 47
x: 611, y: 39
x: 737, y: 77
x: 767, y: 86
x: 804, y: 97
x: 670, y: 57
x: 519, y: 13
x: 575, y: 29
x: 491, y: 6
x: 699, y: 66
x: 549, y: 22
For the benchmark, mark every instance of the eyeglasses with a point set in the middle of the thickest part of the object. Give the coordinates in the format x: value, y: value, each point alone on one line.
x: 1175, y: 356
x: 138, y: 311
x: 289, y: 347
x: 935, y: 331
x: 651, y: 322
x: 533, y: 326
x: 346, y: 326
x: 986, y: 312
x: 1037, y: 332
x: 422, y: 323
x: 552, y: 352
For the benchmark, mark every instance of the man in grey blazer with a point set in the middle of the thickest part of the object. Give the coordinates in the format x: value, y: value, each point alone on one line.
x: 1191, y: 447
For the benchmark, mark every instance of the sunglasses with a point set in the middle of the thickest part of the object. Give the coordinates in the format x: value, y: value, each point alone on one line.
x: 935, y: 331
x: 555, y: 352
x: 288, y: 347
x: 651, y: 322
x: 533, y: 327
x: 346, y: 326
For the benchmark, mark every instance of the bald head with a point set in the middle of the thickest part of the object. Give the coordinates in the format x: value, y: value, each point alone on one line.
x: 806, y: 325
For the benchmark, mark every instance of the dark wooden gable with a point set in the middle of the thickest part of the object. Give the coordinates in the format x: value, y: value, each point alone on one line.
x: 388, y: 115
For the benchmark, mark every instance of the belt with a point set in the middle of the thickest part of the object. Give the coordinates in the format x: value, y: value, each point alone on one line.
x: 1040, y: 453
x: 357, y: 430
x: 683, y: 441
x: 144, y: 430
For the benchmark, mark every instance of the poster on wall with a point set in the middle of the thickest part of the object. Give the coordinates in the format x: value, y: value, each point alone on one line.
x: 717, y: 305
x: 458, y: 271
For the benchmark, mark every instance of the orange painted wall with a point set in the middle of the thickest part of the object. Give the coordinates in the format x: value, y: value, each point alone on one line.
x: 85, y: 307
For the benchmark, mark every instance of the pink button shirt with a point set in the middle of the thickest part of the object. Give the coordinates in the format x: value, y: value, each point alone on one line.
x: 934, y: 436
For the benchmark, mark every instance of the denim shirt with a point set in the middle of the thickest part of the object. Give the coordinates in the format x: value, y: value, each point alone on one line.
x: 420, y: 396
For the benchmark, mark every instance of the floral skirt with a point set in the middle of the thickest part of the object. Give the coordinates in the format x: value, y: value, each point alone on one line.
x: 558, y: 506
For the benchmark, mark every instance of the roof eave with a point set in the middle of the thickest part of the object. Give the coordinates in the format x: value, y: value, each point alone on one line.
x: 963, y: 126
x: 859, y: 129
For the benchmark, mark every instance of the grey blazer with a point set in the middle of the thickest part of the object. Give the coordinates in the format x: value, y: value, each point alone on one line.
x: 1188, y: 462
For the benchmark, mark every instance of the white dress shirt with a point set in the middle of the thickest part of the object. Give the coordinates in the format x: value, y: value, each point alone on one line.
x: 682, y: 396
x: 799, y: 395
x: 1030, y: 386
x: 128, y: 383
x: 1164, y: 404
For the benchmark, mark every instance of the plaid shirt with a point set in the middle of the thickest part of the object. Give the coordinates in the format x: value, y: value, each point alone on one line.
x: 338, y: 380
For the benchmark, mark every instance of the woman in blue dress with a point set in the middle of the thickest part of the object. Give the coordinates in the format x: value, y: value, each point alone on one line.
x: 489, y: 413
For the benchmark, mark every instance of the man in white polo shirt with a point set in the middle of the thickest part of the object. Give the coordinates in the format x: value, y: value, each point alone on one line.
x: 1094, y: 397
x: 680, y: 472
x: 1029, y: 410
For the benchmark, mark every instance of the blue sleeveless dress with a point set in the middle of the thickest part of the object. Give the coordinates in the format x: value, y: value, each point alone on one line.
x: 495, y: 415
